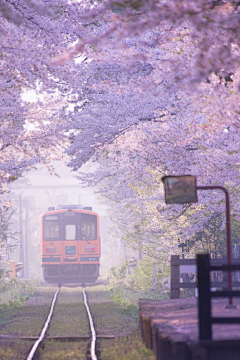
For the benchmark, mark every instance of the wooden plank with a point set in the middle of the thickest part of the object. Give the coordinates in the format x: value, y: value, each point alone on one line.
x: 224, y: 284
x: 146, y: 331
x: 204, y: 299
x: 146, y: 319
x: 214, y: 284
x: 220, y: 343
x: 225, y: 320
x: 223, y: 261
x: 225, y: 293
x: 175, y: 260
x: 174, y: 293
x: 232, y: 267
x: 60, y: 338
x: 170, y: 345
x: 184, y: 286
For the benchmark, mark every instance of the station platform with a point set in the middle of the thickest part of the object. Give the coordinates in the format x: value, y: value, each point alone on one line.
x: 170, y: 328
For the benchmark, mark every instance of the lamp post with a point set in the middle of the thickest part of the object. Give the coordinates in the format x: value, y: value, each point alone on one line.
x: 183, y: 189
x: 228, y: 229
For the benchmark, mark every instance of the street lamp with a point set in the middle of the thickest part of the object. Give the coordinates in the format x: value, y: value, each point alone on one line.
x: 183, y: 189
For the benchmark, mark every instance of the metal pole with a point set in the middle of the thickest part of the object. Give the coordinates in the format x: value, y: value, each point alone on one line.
x: 228, y: 228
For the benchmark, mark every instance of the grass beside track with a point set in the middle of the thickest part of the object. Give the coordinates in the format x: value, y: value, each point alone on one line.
x: 23, y: 319
x: 119, y: 320
x: 128, y: 347
x: 14, y: 350
x: 28, y: 318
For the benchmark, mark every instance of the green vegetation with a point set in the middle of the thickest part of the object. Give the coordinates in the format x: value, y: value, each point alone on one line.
x: 127, y: 288
x: 125, y: 348
x: 14, y: 350
x: 57, y: 350
x: 120, y: 319
x: 13, y: 291
x: 213, y: 238
x: 26, y: 318
x: 69, y: 306
x: 8, y: 238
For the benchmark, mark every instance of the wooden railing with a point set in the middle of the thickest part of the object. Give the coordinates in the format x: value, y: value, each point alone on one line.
x: 205, y: 294
x: 189, y: 266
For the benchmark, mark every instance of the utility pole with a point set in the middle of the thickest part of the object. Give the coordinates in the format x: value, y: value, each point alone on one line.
x: 21, y: 256
x: 25, y: 266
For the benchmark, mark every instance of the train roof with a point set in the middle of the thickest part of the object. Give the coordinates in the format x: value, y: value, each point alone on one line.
x: 70, y: 207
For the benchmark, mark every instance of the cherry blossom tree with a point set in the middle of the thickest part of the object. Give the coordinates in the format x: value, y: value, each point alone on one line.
x: 31, y: 132
x: 144, y: 88
x: 8, y: 238
x: 45, y: 33
x: 31, y: 38
x: 211, y: 26
x: 130, y: 174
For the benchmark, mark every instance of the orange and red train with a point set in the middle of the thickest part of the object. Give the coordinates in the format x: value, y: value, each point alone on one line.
x: 70, y: 244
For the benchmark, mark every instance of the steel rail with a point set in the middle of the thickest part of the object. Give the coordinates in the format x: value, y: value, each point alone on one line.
x: 94, y: 337
x: 44, y: 329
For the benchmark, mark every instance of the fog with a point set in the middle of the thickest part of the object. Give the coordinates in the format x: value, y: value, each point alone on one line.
x: 32, y: 196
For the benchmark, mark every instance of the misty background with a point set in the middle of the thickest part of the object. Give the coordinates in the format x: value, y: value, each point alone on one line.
x: 32, y: 196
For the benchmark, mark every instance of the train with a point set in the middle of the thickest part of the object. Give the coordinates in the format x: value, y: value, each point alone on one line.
x: 70, y: 244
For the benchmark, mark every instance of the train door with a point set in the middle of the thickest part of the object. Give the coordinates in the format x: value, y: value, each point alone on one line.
x: 70, y: 231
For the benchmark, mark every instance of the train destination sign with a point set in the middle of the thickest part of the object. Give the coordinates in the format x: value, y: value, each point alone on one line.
x: 180, y: 189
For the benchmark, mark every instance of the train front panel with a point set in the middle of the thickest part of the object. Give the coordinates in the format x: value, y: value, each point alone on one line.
x: 70, y: 246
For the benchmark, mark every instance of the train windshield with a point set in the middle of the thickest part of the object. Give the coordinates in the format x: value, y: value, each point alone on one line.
x: 51, y: 227
x: 65, y: 227
x: 88, y: 226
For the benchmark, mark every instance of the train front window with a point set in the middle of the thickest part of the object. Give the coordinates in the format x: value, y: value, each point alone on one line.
x: 88, y: 227
x: 70, y: 232
x: 51, y: 227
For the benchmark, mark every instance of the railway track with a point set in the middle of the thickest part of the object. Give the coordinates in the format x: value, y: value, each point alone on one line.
x: 42, y: 337
x: 73, y: 323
